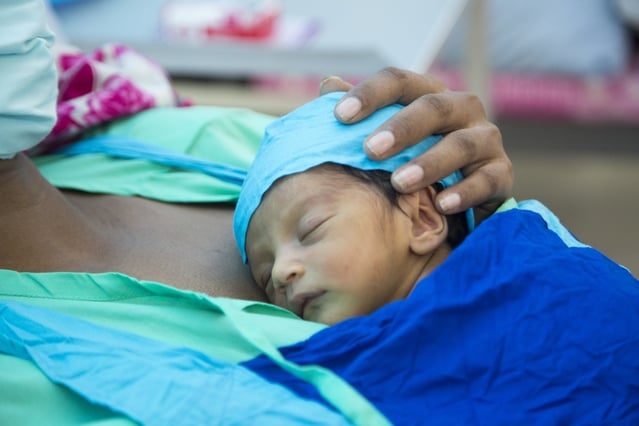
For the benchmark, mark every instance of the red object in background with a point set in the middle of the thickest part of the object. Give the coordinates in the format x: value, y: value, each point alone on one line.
x: 201, y: 20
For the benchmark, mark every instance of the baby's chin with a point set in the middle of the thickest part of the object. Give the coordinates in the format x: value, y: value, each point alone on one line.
x: 328, y: 316
x: 329, y: 308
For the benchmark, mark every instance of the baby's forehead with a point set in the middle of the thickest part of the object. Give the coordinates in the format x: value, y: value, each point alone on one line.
x: 322, y: 174
x: 318, y: 183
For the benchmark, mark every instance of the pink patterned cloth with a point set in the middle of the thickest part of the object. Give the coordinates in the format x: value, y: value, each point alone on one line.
x: 569, y: 98
x: 112, y: 82
x: 613, y: 99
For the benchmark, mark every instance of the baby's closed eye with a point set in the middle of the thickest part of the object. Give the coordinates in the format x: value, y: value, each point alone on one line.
x: 308, y: 230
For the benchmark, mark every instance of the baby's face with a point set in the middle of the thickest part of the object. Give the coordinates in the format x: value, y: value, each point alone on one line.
x: 327, y: 247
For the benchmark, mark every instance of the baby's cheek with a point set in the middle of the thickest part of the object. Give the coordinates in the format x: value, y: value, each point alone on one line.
x: 338, y: 265
x: 279, y: 300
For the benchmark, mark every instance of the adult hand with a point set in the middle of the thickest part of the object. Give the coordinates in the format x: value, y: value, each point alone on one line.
x: 471, y: 143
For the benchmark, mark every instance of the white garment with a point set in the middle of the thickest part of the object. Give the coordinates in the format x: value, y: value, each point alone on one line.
x: 29, y: 86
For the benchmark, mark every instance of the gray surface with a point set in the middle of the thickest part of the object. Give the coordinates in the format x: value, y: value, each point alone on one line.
x: 356, y: 37
x: 587, y: 174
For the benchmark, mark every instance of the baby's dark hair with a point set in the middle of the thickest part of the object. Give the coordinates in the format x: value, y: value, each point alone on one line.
x: 381, y: 181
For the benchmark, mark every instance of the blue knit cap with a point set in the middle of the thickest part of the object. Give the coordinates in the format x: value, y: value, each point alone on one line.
x: 310, y: 136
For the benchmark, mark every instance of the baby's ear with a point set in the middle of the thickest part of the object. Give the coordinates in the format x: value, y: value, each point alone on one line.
x: 429, y: 227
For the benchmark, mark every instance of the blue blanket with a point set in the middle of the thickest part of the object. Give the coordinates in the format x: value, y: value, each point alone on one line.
x: 520, y: 325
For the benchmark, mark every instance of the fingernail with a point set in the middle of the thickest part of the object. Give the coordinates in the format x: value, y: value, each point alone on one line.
x: 450, y: 202
x: 348, y: 108
x: 327, y: 78
x: 408, y: 176
x: 380, y: 142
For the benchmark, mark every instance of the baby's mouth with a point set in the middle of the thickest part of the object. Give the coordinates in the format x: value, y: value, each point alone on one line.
x: 302, y: 302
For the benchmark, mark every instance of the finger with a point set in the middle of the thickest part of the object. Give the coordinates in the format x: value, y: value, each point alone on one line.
x: 390, y: 85
x: 426, y: 115
x: 486, y: 188
x: 334, y: 84
x: 466, y: 150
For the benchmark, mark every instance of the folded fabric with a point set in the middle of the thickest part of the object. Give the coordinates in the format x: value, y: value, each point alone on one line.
x: 224, y: 137
x: 229, y: 330
x: 148, y: 381
x: 123, y: 147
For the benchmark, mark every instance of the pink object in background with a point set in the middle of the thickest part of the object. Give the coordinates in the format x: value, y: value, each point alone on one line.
x: 533, y: 96
x: 593, y: 99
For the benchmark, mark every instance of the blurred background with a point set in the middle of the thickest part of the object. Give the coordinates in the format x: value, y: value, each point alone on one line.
x: 560, y: 78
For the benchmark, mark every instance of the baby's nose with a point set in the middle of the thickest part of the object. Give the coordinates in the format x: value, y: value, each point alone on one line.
x: 287, y: 271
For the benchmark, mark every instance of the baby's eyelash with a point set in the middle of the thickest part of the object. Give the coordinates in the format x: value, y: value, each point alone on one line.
x: 314, y: 226
x: 306, y: 233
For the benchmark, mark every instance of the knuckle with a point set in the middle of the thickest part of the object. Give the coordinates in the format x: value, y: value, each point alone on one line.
x: 394, y: 73
x: 474, y: 107
x: 509, y: 173
x: 493, y: 134
x: 436, y: 85
x: 491, y: 181
x: 474, y: 102
x: 437, y: 104
x: 467, y: 145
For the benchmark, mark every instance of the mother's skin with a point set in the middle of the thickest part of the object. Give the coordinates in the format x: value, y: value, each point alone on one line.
x: 188, y: 246
x: 44, y: 229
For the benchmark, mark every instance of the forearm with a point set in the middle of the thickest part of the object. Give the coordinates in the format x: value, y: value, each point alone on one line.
x: 29, y: 88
